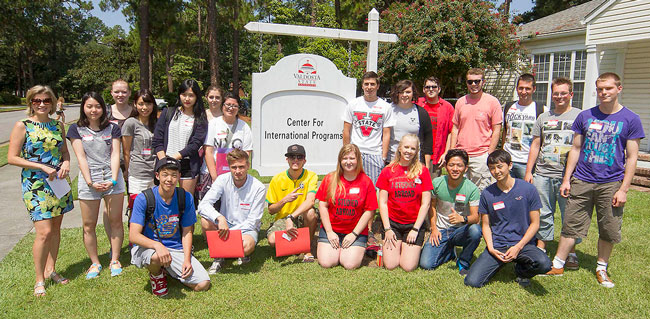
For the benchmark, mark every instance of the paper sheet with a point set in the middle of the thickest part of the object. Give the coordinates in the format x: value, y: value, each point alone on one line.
x: 60, y: 187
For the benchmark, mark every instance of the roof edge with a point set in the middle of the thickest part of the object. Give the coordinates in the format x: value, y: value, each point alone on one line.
x: 552, y: 35
x: 597, y: 11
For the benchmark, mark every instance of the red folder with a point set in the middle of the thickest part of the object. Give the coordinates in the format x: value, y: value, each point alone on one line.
x: 297, y: 245
x: 233, y: 247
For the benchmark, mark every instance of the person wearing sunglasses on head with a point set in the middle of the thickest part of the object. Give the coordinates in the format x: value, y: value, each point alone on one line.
x: 441, y: 113
x: 477, y: 127
x: 37, y: 144
x: 291, y: 198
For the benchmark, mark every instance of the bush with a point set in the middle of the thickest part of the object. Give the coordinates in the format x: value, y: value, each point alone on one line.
x: 7, y: 98
x: 170, y: 98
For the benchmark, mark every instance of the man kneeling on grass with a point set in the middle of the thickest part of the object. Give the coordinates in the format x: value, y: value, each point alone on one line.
x: 509, y: 212
x: 163, y: 237
x: 242, y: 206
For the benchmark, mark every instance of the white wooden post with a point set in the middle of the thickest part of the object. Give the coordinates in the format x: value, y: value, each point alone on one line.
x: 372, y: 37
x: 591, y: 74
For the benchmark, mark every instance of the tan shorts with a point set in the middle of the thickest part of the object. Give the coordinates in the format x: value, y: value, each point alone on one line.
x: 580, y: 206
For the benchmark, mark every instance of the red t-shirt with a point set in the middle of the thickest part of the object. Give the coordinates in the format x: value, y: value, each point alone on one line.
x: 432, y: 109
x: 346, y: 209
x: 404, y: 194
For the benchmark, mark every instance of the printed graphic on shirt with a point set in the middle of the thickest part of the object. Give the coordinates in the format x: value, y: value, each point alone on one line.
x: 167, y: 225
x: 404, y: 189
x: 557, y: 138
x: 346, y: 207
x: 368, y: 121
x: 600, y: 141
x: 520, y: 129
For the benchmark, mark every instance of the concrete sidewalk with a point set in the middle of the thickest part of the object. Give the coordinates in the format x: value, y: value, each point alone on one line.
x: 14, y: 219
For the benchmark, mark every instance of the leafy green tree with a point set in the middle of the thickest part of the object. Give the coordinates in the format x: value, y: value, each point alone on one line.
x: 544, y: 8
x: 445, y: 38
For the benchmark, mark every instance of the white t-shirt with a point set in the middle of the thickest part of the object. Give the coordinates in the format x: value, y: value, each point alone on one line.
x: 219, y: 137
x: 519, y: 131
x: 407, y: 121
x: 368, y: 120
x: 179, y: 132
x: 242, y: 207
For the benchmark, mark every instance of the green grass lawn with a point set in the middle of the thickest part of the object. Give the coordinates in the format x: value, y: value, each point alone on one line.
x: 3, y: 154
x: 270, y: 287
x: 11, y: 109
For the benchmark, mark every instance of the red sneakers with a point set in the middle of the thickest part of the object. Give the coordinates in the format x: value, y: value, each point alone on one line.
x: 158, y: 284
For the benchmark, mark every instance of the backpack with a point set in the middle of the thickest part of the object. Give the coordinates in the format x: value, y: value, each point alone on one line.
x: 151, y: 206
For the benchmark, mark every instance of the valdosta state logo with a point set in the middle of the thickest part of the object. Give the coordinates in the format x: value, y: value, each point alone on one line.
x: 367, y: 121
x: 307, y: 74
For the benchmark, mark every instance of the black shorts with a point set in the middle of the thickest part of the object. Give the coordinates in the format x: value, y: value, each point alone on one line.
x: 186, y: 169
x: 402, y: 230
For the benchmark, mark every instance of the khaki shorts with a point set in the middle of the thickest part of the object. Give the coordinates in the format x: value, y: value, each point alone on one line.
x: 580, y: 206
x: 281, y: 224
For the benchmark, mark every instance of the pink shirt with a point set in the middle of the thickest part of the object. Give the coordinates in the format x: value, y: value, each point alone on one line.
x: 474, y: 120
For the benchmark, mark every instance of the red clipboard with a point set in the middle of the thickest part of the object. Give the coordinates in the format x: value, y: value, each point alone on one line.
x: 233, y: 247
x: 298, y: 245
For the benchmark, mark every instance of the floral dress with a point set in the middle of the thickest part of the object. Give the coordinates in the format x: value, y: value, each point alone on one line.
x: 43, y: 143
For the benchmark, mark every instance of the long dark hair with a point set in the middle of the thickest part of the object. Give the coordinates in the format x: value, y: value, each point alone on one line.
x: 83, y: 119
x: 147, y: 96
x: 199, y: 110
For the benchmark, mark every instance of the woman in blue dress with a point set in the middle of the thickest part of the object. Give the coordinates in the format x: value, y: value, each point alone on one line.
x: 37, y: 144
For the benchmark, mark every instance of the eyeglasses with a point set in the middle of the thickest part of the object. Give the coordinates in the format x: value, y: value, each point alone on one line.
x: 37, y: 102
x: 561, y: 94
x: 470, y: 82
x: 430, y: 87
x: 231, y: 106
x: 298, y: 157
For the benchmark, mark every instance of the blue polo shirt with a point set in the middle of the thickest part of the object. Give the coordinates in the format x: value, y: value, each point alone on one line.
x: 509, y: 212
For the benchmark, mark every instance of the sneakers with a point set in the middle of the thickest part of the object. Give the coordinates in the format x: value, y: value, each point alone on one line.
x: 216, y: 266
x: 523, y: 282
x: 243, y: 260
x: 158, y: 284
x: 463, y: 272
x: 603, y: 279
x: 116, y: 268
x: 554, y: 272
x: 571, y: 263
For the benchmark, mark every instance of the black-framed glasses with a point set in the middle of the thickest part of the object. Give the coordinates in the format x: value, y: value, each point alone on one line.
x: 298, y: 157
x: 430, y: 87
x: 37, y: 102
x: 470, y: 82
x: 231, y: 106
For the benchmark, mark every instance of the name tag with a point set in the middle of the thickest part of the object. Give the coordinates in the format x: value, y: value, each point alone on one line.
x: 189, y: 122
x: 116, y: 122
x: 244, y: 206
x: 460, y: 198
x: 106, y: 137
x: 498, y: 205
x: 596, y: 126
x: 146, y: 151
x: 222, y: 135
x: 173, y: 219
x: 553, y: 122
x: 418, y: 181
x: 86, y: 137
x: 354, y: 190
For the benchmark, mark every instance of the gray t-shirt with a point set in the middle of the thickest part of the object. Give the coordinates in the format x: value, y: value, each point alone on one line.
x: 142, y: 157
x: 407, y: 121
x: 97, y: 146
x: 179, y: 132
x: 556, y: 138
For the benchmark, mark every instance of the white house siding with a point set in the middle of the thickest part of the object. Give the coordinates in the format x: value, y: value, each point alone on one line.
x: 625, y: 20
x: 541, y: 45
x: 636, y: 84
x: 500, y: 82
x: 607, y: 60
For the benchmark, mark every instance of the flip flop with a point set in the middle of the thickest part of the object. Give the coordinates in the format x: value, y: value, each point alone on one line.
x: 93, y: 271
x: 39, y: 292
x: 308, y: 258
x: 57, y: 278
x: 116, y: 268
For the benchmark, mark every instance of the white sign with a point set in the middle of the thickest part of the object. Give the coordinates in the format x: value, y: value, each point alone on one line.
x: 300, y: 100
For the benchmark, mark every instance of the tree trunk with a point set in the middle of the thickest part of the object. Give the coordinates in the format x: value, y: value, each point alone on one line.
x: 19, y: 71
x: 143, y: 12
x: 212, y: 42
x: 235, y: 52
x: 169, y: 61
x: 199, y: 34
x: 337, y: 12
x: 30, y: 68
x: 150, y: 68
x: 313, y: 13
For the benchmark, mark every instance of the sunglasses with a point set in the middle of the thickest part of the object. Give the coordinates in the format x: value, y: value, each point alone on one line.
x: 298, y: 157
x: 430, y: 87
x: 37, y: 102
x: 470, y: 82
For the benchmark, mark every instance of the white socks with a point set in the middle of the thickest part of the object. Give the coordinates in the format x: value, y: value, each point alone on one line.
x: 601, y: 266
x: 558, y: 263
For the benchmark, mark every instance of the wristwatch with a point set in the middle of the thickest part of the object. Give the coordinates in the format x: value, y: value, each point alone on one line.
x: 465, y: 219
x: 293, y: 219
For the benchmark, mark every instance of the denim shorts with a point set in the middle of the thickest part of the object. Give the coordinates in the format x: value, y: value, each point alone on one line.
x: 86, y: 192
x: 360, y: 241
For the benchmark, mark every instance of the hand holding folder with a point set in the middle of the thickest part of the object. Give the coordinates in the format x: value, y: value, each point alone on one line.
x: 231, y: 247
x: 285, y: 245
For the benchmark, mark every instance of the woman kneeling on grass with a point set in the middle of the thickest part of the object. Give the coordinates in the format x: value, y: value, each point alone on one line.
x: 348, y: 197
x: 37, y: 144
x: 404, y: 198
x: 96, y: 142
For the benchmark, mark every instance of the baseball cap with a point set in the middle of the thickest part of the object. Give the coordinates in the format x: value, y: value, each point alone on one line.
x: 170, y: 162
x: 295, y: 149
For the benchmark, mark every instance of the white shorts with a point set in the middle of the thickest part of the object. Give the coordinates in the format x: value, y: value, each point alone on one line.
x: 137, y: 185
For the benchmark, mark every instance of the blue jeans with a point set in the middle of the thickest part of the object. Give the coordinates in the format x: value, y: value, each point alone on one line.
x: 549, y: 193
x: 530, y: 262
x: 467, y: 236
x: 518, y: 170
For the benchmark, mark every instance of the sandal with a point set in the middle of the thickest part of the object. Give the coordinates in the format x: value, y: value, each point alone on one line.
x: 308, y: 258
x: 58, y: 279
x: 116, y: 268
x: 93, y: 271
x: 39, y: 289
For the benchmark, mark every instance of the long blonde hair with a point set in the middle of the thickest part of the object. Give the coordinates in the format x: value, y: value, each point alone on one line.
x: 415, y: 166
x: 336, y: 185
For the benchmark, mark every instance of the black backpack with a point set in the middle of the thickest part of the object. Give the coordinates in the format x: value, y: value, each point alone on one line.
x: 151, y: 206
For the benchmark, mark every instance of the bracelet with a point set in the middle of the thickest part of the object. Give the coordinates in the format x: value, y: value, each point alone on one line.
x: 415, y: 229
x: 355, y: 234
x: 113, y: 181
x: 387, y: 229
x: 293, y: 220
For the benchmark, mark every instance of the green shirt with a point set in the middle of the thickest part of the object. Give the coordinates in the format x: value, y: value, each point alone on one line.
x: 460, y: 198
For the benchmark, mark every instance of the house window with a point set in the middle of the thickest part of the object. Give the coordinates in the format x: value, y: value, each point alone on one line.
x: 568, y: 64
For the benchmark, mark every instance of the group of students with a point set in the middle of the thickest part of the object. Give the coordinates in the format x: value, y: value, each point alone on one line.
x: 391, y: 160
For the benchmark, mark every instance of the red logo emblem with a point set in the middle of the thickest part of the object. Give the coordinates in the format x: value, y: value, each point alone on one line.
x: 367, y: 122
